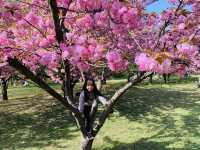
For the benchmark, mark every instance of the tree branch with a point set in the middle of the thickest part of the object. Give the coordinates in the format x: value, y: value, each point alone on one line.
x: 165, y: 25
x: 42, y: 84
x: 55, y: 12
x: 60, y: 38
x: 104, y: 115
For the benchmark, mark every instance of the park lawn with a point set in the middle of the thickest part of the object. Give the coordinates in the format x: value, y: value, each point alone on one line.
x: 148, y: 117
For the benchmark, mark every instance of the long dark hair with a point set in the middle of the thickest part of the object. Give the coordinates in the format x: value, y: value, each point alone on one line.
x: 95, y: 90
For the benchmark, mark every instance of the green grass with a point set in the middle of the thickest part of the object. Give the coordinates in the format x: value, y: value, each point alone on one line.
x: 148, y: 117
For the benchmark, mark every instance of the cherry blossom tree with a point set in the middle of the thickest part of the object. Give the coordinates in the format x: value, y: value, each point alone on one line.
x: 70, y: 37
x: 6, y: 73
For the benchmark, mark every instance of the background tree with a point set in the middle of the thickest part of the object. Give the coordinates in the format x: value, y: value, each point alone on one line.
x: 6, y: 73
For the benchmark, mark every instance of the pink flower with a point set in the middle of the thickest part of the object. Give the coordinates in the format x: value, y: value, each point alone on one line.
x: 83, y: 66
x: 3, y: 39
x: 145, y: 63
x: 33, y: 18
x: 165, y: 67
x: 98, y: 53
x: 181, y: 26
x: 181, y: 70
x: 65, y: 54
x: 63, y: 3
x: 65, y: 51
x: 82, y: 39
x: 102, y: 19
x: 89, y: 4
x: 115, y: 62
x: 116, y: 11
x: 51, y: 38
x: 44, y: 42
x: 85, y: 22
x: 187, y: 50
x: 81, y: 51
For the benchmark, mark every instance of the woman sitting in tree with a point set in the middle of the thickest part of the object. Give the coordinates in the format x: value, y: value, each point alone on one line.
x: 88, y: 102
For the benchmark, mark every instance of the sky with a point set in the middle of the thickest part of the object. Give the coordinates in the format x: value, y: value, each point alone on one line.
x: 161, y: 5
x: 158, y: 6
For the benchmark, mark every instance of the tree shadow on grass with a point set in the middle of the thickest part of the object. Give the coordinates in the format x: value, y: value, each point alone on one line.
x: 176, y: 112
x: 34, y: 122
x: 164, y: 139
x: 142, y: 144
x: 139, y: 101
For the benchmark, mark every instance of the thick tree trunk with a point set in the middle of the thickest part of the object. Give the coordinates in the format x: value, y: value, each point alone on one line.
x: 4, y: 89
x: 86, y: 144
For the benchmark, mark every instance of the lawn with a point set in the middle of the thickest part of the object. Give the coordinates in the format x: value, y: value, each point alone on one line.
x: 148, y: 117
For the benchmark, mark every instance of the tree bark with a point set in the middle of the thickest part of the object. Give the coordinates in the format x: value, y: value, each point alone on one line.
x: 86, y: 144
x: 198, y: 83
x: 165, y: 78
x: 4, y: 89
x: 151, y: 79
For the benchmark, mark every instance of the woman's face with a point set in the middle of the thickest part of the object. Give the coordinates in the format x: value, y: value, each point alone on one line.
x: 90, y: 86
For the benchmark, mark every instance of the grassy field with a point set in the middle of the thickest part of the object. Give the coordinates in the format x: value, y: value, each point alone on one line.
x: 148, y: 117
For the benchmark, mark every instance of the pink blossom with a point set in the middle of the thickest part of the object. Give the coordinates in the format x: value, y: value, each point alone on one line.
x: 65, y: 51
x: 44, y: 42
x: 115, y: 61
x: 98, y: 52
x: 82, y: 39
x: 63, y: 3
x: 115, y: 10
x: 165, y: 67
x: 181, y: 71
x: 65, y: 54
x: 145, y: 63
x: 187, y: 49
x: 83, y: 66
x: 33, y: 18
x: 89, y: 4
x: 181, y: 26
x: 81, y: 51
x: 51, y: 39
x: 102, y: 19
x: 46, y: 59
x: 85, y: 22
x: 3, y: 39
x: 131, y: 18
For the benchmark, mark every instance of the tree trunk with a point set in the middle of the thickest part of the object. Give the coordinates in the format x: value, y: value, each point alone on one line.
x: 165, y: 78
x: 86, y: 144
x: 198, y: 83
x: 151, y: 78
x: 4, y: 89
x: 168, y: 76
